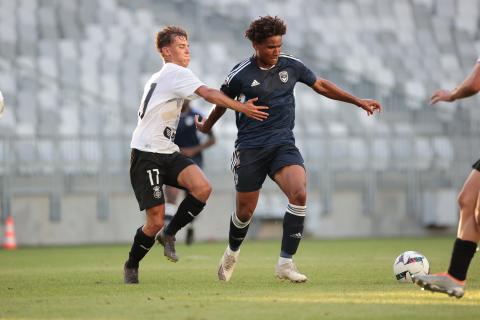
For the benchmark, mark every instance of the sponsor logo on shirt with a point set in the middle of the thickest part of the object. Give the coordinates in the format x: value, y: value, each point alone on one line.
x: 169, y: 133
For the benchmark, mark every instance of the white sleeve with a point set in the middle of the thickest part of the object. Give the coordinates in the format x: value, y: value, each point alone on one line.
x: 186, y: 83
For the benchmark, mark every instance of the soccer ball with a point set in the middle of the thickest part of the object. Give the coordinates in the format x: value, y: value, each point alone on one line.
x: 410, y: 263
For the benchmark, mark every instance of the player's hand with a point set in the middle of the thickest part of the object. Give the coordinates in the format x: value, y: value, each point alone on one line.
x: 440, y: 95
x: 255, y: 112
x: 200, y: 125
x: 370, y: 106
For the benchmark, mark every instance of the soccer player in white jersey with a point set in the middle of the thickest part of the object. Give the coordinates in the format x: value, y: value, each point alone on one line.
x: 452, y: 282
x: 155, y: 158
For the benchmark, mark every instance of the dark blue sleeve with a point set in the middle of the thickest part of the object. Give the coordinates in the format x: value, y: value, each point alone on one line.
x: 231, y: 86
x: 231, y: 89
x: 305, y: 75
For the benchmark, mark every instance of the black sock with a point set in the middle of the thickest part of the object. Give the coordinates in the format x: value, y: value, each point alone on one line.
x: 140, y: 247
x: 238, y: 231
x: 187, y: 211
x: 292, y: 230
x: 462, y: 254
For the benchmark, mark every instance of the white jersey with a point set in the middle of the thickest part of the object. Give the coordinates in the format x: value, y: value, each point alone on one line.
x: 160, y: 109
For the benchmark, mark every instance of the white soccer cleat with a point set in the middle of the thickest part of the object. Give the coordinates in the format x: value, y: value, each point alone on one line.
x: 227, y: 264
x: 441, y: 282
x: 286, y: 269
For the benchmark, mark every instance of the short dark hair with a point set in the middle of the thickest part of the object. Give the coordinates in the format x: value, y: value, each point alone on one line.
x: 166, y: 35
x: 265, y: 27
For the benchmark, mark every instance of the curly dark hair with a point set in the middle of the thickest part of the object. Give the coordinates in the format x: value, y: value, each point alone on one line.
x: 265, y: 27
x: 166, y: 35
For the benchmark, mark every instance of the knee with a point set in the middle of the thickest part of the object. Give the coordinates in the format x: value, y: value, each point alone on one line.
x: 466, y: 201
x: 244, y: 214
x: 298, y: 197
x: 244, y: 211
x: 477, y: 217
x: 202, y: 192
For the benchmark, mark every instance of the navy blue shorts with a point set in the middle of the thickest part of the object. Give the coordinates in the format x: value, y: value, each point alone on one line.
x: 251, y: 166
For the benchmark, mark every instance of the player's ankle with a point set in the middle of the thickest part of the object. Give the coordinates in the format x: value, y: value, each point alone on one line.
x: 461, y: 282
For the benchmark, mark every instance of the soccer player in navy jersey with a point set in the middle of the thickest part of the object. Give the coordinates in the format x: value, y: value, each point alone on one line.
x: 452, y: 282
x: 268, y: 147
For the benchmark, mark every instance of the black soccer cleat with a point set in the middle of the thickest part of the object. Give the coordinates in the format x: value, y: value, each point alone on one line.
x: 130, y: 275
x: 168, y: 243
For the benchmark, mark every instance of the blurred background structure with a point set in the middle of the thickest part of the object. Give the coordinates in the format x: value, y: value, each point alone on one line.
x: 72, y: 73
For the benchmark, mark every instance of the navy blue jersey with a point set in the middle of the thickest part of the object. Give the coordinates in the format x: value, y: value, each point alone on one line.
x: 187, y: 135
x: 274, y: 88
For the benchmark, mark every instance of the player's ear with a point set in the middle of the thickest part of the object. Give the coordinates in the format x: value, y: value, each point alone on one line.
x: 165, y: 51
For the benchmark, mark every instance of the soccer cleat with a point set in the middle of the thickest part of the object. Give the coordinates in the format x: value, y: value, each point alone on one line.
x: 227, y: 264
x: 441, y: 282
x: 168, y: 243
x: 130, y: 275
x: 286, y: 269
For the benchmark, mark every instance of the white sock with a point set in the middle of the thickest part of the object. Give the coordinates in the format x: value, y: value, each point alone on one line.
x: 231, y: 252
x: 282, y: 260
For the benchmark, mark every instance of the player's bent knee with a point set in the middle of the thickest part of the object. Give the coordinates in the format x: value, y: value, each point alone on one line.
x: 298, y: 197
x: 244, y: 215
x: 465, y: 200
x: 245, y: 209
x: 202, y: 191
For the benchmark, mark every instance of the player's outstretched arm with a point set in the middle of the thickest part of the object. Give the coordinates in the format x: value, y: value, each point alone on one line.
x: 469, y: 86
x: 207, y: 123
x: 330, y: 90
x: 219, y: 98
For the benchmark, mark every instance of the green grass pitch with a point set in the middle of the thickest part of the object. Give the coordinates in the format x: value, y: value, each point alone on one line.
x: 348, y: 279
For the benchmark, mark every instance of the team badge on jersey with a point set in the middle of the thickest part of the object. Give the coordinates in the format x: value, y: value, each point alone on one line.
x: 283, y: 76
x: 157, y: 192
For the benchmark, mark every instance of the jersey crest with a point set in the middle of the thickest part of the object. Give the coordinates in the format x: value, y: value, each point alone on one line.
x: 157, y: 192
x: 283, y: 76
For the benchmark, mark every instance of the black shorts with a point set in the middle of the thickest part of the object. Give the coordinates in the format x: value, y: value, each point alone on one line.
x: 150, y: 171
x: 251, y: 166
x: 476, y: 165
